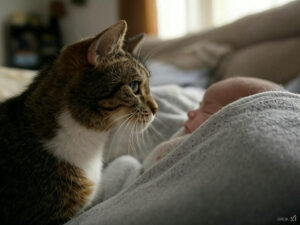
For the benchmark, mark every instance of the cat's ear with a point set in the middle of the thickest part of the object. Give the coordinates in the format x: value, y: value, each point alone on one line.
x: 132, y: 43
x: 108, y: 42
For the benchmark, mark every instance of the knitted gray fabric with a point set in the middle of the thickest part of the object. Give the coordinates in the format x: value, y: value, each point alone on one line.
x: 242, y: 166
x: 118, y: 175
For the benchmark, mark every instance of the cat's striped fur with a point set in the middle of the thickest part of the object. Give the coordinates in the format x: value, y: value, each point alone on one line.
x: 52, y: 135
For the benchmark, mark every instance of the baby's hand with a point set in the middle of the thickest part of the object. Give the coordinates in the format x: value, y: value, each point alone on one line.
x: 161, y: 151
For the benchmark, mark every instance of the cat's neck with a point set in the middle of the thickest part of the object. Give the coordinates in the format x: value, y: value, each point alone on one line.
x: 43, y: 102
x: 78, y: 145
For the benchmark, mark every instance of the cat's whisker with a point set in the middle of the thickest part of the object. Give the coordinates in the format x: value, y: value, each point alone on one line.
x: 132, y: 138
x: 143, y: 138
x: 123, y: 125
x: 105, y: 118
x: 138, y: 137
x: 132, y: 147
x: 139, y: 52
x: 151, y: 53
x: 143, y: 134
x: 150, y: 139
x: 157, y: 132
x: 115, y: 120
x: 136, y: 134
x: 129, y: 140
x: 133, y: 134
x: 128, y: 123
x: 122, y: 117
x: 114, y: 145
x: 160, y: 122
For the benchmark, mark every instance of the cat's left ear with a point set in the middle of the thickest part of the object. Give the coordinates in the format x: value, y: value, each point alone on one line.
x: 108, y: 42
x: 132, y: 43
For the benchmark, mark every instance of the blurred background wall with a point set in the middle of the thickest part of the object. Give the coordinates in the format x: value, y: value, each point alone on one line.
x: 9, y: 6
x: 82, y: 18
x: 88, y: 19
x: 77, y: 19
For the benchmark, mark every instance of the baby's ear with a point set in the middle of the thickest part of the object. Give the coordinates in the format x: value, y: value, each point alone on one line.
x: 106, y: 43
x: 132, y: 43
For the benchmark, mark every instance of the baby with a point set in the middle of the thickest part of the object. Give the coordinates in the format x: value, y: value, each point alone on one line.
x: 124, y: 170
x: 215, y: 98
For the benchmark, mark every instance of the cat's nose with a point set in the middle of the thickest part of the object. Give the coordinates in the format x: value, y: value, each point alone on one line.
x: 154, y: 110
x: 153, y: 106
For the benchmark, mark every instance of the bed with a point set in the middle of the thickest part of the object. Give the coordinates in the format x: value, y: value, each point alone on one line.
x: 242, y: 166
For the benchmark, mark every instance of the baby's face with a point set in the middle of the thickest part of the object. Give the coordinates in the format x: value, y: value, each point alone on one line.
x: 222, y: 93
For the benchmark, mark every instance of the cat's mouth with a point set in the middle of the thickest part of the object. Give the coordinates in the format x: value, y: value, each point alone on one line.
x: 140, y: 122
x: 137, y: 120
x: 144, y: 122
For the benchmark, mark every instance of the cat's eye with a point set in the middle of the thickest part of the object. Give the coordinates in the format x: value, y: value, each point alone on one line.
x: 134, y: 85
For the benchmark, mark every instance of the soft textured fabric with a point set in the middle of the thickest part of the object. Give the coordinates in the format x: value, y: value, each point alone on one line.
x: 276, y: 60
x: 264, y: 45
x: 165, y: 74
x: 163, y: 149
x: 118, y: 175
x: 242, y: 166
x: 294, y: 85
x: 13, y: 81
x: 157, y: 140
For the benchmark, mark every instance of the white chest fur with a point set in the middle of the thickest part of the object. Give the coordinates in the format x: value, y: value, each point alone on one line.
x: 80, y: 146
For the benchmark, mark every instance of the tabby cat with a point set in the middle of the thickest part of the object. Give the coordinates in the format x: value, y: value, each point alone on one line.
x: 53, y: 134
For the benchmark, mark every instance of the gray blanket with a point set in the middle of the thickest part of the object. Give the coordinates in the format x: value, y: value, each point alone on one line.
x: 242, y: 166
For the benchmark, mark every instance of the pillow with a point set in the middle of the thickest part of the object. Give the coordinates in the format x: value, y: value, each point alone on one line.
x: 13, y: 81
x: 277, y: 61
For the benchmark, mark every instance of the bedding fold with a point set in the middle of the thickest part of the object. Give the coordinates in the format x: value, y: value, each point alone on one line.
x: 242, y: 166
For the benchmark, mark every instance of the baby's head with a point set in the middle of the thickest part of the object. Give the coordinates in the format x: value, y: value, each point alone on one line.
x: 222, y: 93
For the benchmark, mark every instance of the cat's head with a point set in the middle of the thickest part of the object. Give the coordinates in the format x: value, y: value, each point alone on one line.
x: 107, y: 85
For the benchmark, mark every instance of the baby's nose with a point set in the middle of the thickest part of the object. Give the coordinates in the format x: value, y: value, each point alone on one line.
x: 191, y: 114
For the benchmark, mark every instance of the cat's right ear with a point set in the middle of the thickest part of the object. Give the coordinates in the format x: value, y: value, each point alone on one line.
x: 108, y: 42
